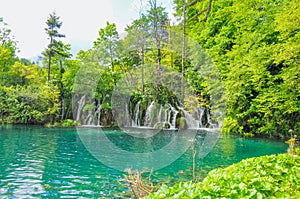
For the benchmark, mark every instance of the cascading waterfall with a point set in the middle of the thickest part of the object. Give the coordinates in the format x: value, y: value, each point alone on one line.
x: 127, y: 116
x: 191, y: 122
x: 200, y: 114
x: 159, y: 119
x: 210, y: 122
x: 159, y: 116
x: 173, y: 121
x: 81, y: 104
x: 169, y: 117
x: 89, y: 118
x: 155, y: 115
x: 136, y: 120
x: 98, y: 114
x: 148, y: 115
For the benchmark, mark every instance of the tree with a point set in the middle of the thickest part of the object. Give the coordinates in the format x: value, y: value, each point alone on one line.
x: 6, y: 39
x: 62, y: 53
x: 159, y: 20
x: 183, y: 24
x: 255, y: 46
x: 53, y: 25
x: 137, y: 41
x: 71, y: 68
x: 7, y: 53
x: 106, y: 45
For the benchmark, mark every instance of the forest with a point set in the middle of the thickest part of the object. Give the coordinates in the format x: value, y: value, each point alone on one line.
x: 254, y: 47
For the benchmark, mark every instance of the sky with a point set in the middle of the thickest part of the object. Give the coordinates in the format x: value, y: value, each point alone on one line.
x: 81, y: 19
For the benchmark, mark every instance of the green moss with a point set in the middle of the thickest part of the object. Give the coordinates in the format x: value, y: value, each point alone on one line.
x: 181, y: 123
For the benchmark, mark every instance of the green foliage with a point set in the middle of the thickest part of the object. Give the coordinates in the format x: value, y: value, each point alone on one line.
x: 231, y: 126
x: 29, y: 105
x: 106, y: 45
x: 64, y: 123
x: 255, y: 45
x: 55, y: 47
x: 275, y: 176
x: 6, y: 38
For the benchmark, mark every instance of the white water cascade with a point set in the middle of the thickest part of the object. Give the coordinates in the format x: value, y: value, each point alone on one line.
x: 136, y: 121
x: 155, y: 116
x: 98, y: 114
x: 210, y: 122
x: 159, y: 113
x: 174, y: 117
x: 191, y: 122
x: 127, y: 116
x: 159, y: 116
x: 147, y: 121
x: 89, y: 118
x: 81, y: 104
x: 201, y: 112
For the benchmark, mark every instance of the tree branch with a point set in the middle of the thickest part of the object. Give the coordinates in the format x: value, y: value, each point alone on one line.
x: 194, y: 2
x: 207, y: 11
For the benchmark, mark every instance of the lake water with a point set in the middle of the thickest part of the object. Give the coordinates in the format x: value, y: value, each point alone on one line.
x: 38, y: 162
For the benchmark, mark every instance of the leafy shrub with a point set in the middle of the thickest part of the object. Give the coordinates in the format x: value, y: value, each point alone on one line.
x: 275, y: 176
x: 68, y: 123
x: 63, y: 123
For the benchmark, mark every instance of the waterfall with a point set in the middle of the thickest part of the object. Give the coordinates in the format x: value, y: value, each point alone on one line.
x: 98, y: 113
x: 210, y: 122
x: 136, y: 120
x: 148, y: 115
x: 173, y: 121
x: 191, y: 122
x: 81, y: 104
x: 159, y: 119
x: 201, y: 112
x: 89, y: 118
x: 167, y: 116
x: 127, y: 116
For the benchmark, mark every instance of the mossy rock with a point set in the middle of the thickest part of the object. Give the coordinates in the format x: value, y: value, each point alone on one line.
x: 162, y: 125
x: 181, y: 123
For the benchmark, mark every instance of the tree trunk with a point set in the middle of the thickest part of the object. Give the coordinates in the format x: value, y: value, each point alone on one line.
x: 111, y: 58
x: 49, y: 65
x: 207, y: 11
x: 183, y: 52
x: 143, y: 68
x: 62, y: 98
x: 153, y: 4
x: 49, y: 58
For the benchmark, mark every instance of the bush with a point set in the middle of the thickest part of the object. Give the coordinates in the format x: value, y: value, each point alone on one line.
x: 275, y: 176
x: 63, y: 123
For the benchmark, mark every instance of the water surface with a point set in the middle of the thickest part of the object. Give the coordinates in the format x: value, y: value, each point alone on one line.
x: 38, y: 162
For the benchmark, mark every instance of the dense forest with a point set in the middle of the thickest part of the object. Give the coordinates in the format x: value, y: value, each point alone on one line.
x: 254, y: 45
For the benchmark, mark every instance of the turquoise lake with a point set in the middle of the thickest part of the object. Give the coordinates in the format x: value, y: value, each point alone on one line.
x: 38, y: 162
